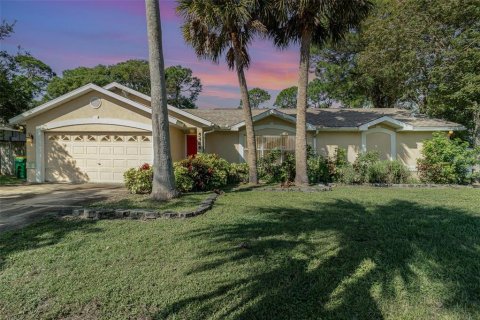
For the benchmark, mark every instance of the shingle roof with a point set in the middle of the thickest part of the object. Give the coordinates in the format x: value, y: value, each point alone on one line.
x: 328, y: 118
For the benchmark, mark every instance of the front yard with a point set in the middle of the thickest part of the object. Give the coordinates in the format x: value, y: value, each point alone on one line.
x: 352, y: 253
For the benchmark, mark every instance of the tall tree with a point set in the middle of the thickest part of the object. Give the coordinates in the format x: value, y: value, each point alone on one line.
x: 182, y: 88
x: 287, y: 98
x: 316, y: 96
x: 311, y: 22
x: 23, y: 79
x: 417, y: 54
x: 257, y: 96
x: 163, y: 187
x: 214, y: 27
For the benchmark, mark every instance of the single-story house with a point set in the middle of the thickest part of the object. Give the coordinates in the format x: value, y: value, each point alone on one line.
x: 96, y: 133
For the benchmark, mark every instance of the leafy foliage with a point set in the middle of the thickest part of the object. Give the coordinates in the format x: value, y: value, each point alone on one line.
x: 139, y: 180
x: 446, y: 160
x: 276, y: 166
x: 23, y: 78
x: 416, y: 54
x: 287, y: 98
x: 257, y: 96
x: 207, y: 172
x: 182, y: 88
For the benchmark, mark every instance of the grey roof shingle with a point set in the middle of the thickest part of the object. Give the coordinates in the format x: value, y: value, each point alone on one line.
x: 327, y: 118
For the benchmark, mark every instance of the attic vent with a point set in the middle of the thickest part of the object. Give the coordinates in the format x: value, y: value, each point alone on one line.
x: 95, y: 102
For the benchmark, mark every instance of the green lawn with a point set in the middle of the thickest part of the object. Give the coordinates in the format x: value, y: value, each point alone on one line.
x: 352, y: 253
x: 125, y: 200
x: 9, y: 180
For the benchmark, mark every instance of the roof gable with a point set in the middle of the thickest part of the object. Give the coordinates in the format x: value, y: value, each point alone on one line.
x: 73, y: 95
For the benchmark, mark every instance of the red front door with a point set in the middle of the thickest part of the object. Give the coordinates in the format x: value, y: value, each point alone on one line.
x: 191, y: 145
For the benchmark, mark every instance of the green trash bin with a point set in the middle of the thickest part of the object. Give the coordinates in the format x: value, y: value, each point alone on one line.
x: 21, y: 167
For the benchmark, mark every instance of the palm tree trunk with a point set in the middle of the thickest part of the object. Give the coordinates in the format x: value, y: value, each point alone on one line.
x: 163, y: 186
x: 247, y: 114
x: 301, y: 177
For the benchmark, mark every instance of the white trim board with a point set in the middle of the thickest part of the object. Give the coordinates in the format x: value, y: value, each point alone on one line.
x: 267, y: 113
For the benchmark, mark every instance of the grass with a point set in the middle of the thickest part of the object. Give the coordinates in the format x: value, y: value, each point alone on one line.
x: 9, y: 180
x: 352, y: 253
x: 125, y: 200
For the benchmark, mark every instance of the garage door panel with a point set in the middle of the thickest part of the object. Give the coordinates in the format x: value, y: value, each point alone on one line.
x: 132, y: 151
x: 91, y: 149
x: 94, y: 157
x: 119, y: 150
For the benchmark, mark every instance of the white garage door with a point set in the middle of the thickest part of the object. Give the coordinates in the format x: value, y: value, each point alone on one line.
x: 95, y: 158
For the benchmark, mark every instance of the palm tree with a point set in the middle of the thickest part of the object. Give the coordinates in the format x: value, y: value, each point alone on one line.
x: 310, y: 22
x: 214, y: 27
x: 163, y: 186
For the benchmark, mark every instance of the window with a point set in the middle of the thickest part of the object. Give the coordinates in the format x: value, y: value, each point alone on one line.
x: 284, y: 143
x: 118, y: 138
x: 105, y: 138
x: 91, y: 138
x: 145, y: 138
x: 132, y: 139
x: 78, y: 138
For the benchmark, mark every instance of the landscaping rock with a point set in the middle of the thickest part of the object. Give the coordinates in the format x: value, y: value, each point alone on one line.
x: 101, y: 213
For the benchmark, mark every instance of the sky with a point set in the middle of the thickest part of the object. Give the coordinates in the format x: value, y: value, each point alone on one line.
x: 66, y: 34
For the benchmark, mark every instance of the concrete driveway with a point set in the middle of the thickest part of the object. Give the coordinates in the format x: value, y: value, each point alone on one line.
x: 21, y: 205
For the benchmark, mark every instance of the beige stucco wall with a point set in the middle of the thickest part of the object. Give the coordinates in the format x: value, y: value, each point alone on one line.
x: 379, y: 142
x: 409, y: 146
x: 223, y: 143
x: 177, y: 144
x: 329, y: 141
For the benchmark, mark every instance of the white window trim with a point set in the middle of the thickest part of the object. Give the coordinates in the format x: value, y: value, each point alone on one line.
x: 393, y: 140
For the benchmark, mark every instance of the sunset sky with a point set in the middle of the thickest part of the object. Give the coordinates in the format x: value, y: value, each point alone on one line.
x: 69, y: 33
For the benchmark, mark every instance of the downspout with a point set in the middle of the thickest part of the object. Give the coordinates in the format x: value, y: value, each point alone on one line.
x: 205, y: 138
x: 315, y: 142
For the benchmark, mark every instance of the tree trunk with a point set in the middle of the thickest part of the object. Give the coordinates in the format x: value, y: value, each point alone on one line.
x: 247, y: 113
x: 301, y: 177
x: 163, y: 186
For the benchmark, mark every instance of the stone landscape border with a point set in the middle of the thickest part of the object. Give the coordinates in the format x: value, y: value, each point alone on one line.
x: 142, y: 214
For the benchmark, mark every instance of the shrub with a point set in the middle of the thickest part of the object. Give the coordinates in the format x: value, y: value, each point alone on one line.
x: 388, y: 172
x: 275, y: 167
x: 139, y: 180
x: 326, y: 169
x: 362, y: 164
x: 201, y: 172
x: 446, y: 160
x: 238, y: 173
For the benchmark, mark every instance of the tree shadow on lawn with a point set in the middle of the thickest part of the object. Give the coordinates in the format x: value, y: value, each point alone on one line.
x: 336, y: 260
x: 46, y: 232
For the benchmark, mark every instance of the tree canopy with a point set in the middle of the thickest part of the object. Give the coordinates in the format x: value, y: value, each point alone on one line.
x: 414, y: 54
x: 23, y: 79
x: 287, y: 98
x: 182, y: 88
x: 257, y: 96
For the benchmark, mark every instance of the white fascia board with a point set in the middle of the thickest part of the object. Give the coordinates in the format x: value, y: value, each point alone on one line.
x: 72, y: 95
x: 171, y: 108
x: 388, y: 120
x: 267, y: 113
x: 446, y: 128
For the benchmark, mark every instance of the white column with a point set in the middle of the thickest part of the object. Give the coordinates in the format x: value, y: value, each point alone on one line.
x: 39, y: 154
